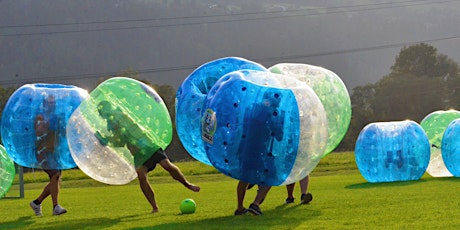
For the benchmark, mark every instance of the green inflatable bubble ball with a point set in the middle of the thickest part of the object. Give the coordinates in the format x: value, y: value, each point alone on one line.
x: 187, y: 206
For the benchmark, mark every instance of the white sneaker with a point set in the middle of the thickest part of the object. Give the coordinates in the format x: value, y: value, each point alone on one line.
x: 58, y: 210
x: 37, y: 208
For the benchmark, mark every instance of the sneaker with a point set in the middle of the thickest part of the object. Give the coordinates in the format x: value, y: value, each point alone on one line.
x: 289, y: 200
x: 306, y: 198
x: 254, y: 209
x: 37, y: 208
x: 241, y: 212
x: 58, y: 210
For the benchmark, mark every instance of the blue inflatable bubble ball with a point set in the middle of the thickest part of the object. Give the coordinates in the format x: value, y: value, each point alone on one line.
x: 191, y: 95
x: 34, y: 124
x: 7, y: 172
x: 117, y: 128
x: 451, y: 147
x: 392, y: 151
x: 263, y: 128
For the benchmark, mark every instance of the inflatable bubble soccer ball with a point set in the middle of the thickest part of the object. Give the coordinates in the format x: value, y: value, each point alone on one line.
x: 34, y: 125
x: 332, y: 93
x: 191, y: 95
x: 116, y: 129
x: 434, y: 125
x: 263, y: 128
x: 450, y: 146
x: 7, y: 172
x: 187, y: 206
x: 392, y: 151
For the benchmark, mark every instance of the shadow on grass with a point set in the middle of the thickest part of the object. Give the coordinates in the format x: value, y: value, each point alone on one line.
x: 400, y: 183
x: 282, y: 217
x: 28, y: 222
x: 381, y: 184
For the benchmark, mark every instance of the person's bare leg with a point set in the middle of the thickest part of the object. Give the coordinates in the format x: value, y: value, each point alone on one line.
x: 52, y: 188
x: 45, y: 193
x: 290, y: 190
x: 304, y: 184
x: 261, y: 194
x: 240, y: 194
x: 142, y: 176
x: 175, y: 173
x: 306, y: 197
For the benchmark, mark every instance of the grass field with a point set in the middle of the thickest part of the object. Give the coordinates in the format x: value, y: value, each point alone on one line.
x: 342, y: 200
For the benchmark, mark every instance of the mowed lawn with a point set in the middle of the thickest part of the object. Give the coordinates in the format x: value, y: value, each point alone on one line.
x: 342, y: 200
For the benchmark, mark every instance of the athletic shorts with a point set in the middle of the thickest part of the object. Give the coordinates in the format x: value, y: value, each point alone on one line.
x: 152, y: 162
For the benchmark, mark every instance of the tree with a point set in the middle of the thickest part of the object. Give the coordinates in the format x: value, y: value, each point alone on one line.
x: 419, y: 60
x: 422, y: 60
x: 421, y: 81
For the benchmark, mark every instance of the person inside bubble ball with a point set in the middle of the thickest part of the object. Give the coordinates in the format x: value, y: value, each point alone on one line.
x: 46, y: 127
x: 125, y: 132
x: 264, y: 126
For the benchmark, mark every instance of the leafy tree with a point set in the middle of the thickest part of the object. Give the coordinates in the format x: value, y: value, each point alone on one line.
x: 422, y: 60
x: 4, y: 96
x: 419, y: 60
x: 421, y: 82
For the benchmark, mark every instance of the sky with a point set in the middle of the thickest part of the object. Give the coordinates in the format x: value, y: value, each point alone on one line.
x: 79, y: 42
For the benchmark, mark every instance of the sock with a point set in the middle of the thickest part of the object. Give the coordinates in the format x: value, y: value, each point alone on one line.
x: 37, y: 202
x: 54, y: 206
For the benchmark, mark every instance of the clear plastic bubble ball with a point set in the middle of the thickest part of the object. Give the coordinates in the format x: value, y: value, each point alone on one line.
x: 7, y: 172
x: 263, y: 128
x: 331, y: 91
x: 34, y: 124
x: 118, y: 128
x: 434, y: 125
x: 392, y: 151
x: 191, y: 95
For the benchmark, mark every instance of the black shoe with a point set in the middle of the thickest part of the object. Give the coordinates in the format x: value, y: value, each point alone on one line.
x: 241, y: 212
x: 289, y: 200
x: 250, y: 186
x: 254, y: 209
x: 306, y: 198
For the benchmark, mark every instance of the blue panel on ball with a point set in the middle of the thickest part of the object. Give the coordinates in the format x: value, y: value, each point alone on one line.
x: 34, y: 125
x: 392, y: 151
x: 191, y: 95
x: 251, y: 131
x: 451, y: 147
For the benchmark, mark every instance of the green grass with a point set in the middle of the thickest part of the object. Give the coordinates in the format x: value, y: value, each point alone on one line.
x: 342, y: 200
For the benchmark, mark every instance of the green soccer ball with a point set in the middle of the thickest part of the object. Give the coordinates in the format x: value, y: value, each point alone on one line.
x: 187, y: 206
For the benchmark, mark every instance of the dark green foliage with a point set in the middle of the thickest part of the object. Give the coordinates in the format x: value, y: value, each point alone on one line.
x: 421, y: 81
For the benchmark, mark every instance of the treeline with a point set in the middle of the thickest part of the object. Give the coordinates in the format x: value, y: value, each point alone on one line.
x: 421, y: 81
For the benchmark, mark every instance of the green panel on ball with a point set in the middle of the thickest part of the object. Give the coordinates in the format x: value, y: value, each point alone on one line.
x: 7, y: 171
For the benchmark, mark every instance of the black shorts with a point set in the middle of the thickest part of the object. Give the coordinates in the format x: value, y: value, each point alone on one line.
x: 152, y: 162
